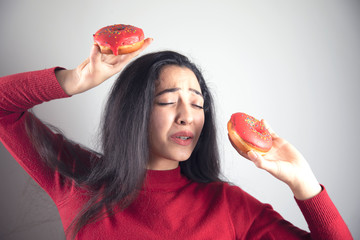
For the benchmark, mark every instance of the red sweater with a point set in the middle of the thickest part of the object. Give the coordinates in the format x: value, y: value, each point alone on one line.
x: 170, y: 206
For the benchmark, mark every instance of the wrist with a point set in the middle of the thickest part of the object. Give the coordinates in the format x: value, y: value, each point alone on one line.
x: 304, y: 190
x: 68, y: 80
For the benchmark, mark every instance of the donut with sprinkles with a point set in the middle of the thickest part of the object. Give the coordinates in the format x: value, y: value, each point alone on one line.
x: 119, y: 39
x: 247, y: 133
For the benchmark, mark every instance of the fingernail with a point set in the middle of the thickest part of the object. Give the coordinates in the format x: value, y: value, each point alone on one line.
x: 252, y: 154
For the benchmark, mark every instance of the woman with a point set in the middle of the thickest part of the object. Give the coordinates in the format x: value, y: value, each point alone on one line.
x: 158, y: 174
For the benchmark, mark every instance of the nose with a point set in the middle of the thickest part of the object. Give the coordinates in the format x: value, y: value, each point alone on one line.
x: 184, y: 115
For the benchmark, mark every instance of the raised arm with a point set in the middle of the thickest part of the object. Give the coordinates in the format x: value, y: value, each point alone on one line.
x: 288, y: 165
x: 22, y: 91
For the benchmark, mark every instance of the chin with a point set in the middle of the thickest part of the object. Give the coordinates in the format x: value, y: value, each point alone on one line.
x: 175, y: 155
x: 181, y: 156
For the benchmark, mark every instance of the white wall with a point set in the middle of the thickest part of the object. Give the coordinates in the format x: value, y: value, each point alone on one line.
x: 293, y: 63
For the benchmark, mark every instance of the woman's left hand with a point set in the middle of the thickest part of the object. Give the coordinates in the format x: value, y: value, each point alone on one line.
x: 287, y: 164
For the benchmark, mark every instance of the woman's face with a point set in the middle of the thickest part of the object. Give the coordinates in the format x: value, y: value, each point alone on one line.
x: 177, y: 118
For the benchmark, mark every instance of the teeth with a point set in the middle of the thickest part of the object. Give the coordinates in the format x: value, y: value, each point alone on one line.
x: 183, y: 138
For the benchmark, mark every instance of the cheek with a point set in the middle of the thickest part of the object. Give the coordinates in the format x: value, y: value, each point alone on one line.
x: 200, y: 121
x: 160, y: 122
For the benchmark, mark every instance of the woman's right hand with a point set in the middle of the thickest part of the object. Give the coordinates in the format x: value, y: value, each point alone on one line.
x: 95, y: 69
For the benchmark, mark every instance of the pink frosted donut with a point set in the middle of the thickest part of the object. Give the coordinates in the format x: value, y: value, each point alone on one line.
x: 119, y: 39
x: 247, y: 133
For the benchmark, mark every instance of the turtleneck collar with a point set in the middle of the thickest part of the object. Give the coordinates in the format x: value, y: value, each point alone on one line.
x: 165, y: 180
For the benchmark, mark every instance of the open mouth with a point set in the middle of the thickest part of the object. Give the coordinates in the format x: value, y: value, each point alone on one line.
x: 183, y: 138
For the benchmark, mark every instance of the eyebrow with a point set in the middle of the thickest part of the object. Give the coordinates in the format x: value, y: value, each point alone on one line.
x: 168, y: 90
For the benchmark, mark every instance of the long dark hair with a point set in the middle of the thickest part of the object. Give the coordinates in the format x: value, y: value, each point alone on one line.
x: 114, y: 177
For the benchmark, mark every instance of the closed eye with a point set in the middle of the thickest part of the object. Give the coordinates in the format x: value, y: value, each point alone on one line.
x: 164, y: 104
x: 169, y: 103
x: 198, y: 106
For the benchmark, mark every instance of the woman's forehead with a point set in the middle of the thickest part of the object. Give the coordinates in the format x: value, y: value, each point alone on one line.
x: 177, y: 77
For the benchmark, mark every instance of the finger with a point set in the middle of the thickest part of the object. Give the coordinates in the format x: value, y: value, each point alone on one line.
x: 260, y: 162
x: 253, y: 156
x: 148, y: 41
x: 268, y: 127
x: 95, y: 54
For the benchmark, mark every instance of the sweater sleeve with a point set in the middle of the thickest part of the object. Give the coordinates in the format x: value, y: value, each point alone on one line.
x: 22, y: 91
x: 263, y: 222
x: 18, y: 93
x: 323, y: 218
